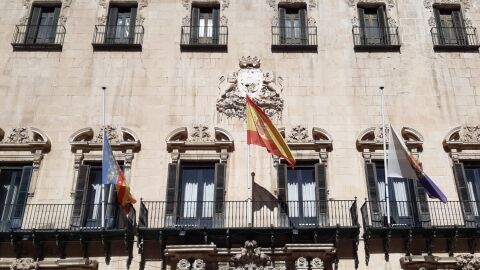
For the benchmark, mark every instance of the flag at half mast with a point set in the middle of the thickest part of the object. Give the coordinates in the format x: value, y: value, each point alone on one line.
x: 402, y: 164
x: 112, y: 174
x: 262, y: 132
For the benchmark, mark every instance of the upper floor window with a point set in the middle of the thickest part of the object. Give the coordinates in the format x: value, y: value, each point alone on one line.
x: 14, y: 184
x: 293, y: 25
x: 450, y: 30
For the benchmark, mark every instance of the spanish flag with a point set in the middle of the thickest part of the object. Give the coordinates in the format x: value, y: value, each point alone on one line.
x: 262, y: 132
x: 112, y: 174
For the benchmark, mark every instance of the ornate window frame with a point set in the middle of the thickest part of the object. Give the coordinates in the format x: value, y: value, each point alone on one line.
x: 62, y: 19
x: 206, y: 145
x: 392, y: 14
x: 102, y: 13
x: 187, y: 4
x: 465, y: 6
x: 370, y: 142
x: 312, y: 11
x: 463, y: 143
x: 86, y: 145
x: 25, y: 144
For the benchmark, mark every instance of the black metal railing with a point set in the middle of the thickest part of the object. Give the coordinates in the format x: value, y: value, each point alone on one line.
x: 294, y: 36
x: 118, y: 36
x: 375, y: 37
x: 64, y: 217
x: 244, y: 214
x: 198, y: 36
x: 38, y: 36
x: 421, y: 214
x: 455, y: 37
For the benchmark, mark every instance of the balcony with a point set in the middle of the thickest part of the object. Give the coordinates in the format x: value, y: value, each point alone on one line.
x: 51, y: 227
x: 204, y: 38
x: 294, y: 38
x: 438, y: 226
x: 455, y: 39
x: 376, y: 39
x: 118, y: 38
x: 38, y: 37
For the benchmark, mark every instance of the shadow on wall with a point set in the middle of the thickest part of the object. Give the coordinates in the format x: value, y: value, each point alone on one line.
x: 263, y: 198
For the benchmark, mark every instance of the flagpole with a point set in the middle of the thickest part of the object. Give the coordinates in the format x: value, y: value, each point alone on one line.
x: 249, y: 185
x: 387, y: 196
x: 104, y: 89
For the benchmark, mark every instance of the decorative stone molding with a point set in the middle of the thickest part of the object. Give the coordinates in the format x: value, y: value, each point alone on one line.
x: 62, y: 19
x: 390, y: 4
x: 187, y: 4
x: 465, y: 5
x: 104, y: 4
x: 310, y: 4
x: 200, y: 138
x: 25, y: 144
x: 183, y: 265
x: 460, y: 262
x: 463, y: 143
x: 31, y: 264
x: 251, y: 257
x: 87, y: 146
x: 24, y: 264
x: 262, y: 87
x: 392, y: 17
x: 317, y: 264
x: 301, y: 264
x: 370, y: 141
x: 317, y: 140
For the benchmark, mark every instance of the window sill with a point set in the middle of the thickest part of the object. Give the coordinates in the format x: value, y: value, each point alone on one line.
x: 116, y: 47
x: 456, y: 48
x: 204, y: 47
x: 377, y: 48
x: 37, y: 47
x: 294, y: 48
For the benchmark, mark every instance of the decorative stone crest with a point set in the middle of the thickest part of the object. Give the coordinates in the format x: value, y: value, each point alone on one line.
x: 24, y: 264
x: 470, y: 134
x: 17, y: 135
x: 462, y: 138
x: 198, y: 264
x: 250, y: 80
x: 111, y: 133
x: 183, y: 265
x: 464, y: 4
x: 200, y: 133
x: 468, y: 262
x: 24, y: 137
x: 317, y: 264
x: 251, y: 257
x: 298, y: 134
x: 119, y: 137
x: 301, y: 264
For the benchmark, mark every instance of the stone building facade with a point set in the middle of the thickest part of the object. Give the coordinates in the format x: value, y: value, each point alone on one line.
x: 177, y: 72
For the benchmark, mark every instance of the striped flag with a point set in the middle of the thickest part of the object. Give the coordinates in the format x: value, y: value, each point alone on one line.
x: 402, y: 164
x: 262, y: 132
x: 112, y: 174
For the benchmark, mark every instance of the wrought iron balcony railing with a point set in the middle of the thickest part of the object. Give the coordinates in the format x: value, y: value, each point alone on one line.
x: 123, y: 37
x: 38, y: 37
x: 296, y: 38
x: 244, y: 214
x: 407, y: 214
x: 207, y: 37
x: 376, y: 38
x: 64, y: 217
x: 455, y: 38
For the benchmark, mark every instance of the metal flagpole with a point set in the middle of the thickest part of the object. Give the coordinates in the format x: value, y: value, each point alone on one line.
x: 249, y: 182
x: 387, y: 196
x: 104, y: 89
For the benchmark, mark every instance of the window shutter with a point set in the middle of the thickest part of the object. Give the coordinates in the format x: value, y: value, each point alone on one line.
x: 33, y: 25
x: 53, y: 26
x: 216, y: 25
x: 372, y: 186
x: 79, y: 199
x: 422, y: 204
x: 220, y: 172
x: 172, y: 179
x: 462, y: 188
x: 383, y: 24
x: 133, y: 21
x: 282, y: 182
x: 195, y: 21
x: 303, y: 25
x: 440, y: 40
x: 321, y: 183
x: 281, y: 24
x: 21, y: 197
x: 113, y: 206
x: 111, y: 25
x: 361, y: 21
x: 459, y: 27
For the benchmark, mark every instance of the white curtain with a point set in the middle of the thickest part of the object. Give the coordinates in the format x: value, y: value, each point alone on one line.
x: 472, y: 195
x: 382, y: 197
x: 190, y: 194
x: 308, y: 192
x: 292, y: 198
x: 401, y: 196
x: 208, y: 198
x: 97, y: 195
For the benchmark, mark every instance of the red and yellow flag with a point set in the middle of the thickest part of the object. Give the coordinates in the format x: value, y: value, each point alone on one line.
x: 262, y: 132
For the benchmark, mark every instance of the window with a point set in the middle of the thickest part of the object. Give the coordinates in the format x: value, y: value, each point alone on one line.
x: 199, y: 189
x: 205, y: 25
x: 303, y: 192
x: 87, y: 209
x: 467, y: 177
x: 450, y: 26
x: 42, y: 26
x: 121, y: 25
x: 293, y: 26
x: 373, y: 26
x: 14, y: 183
